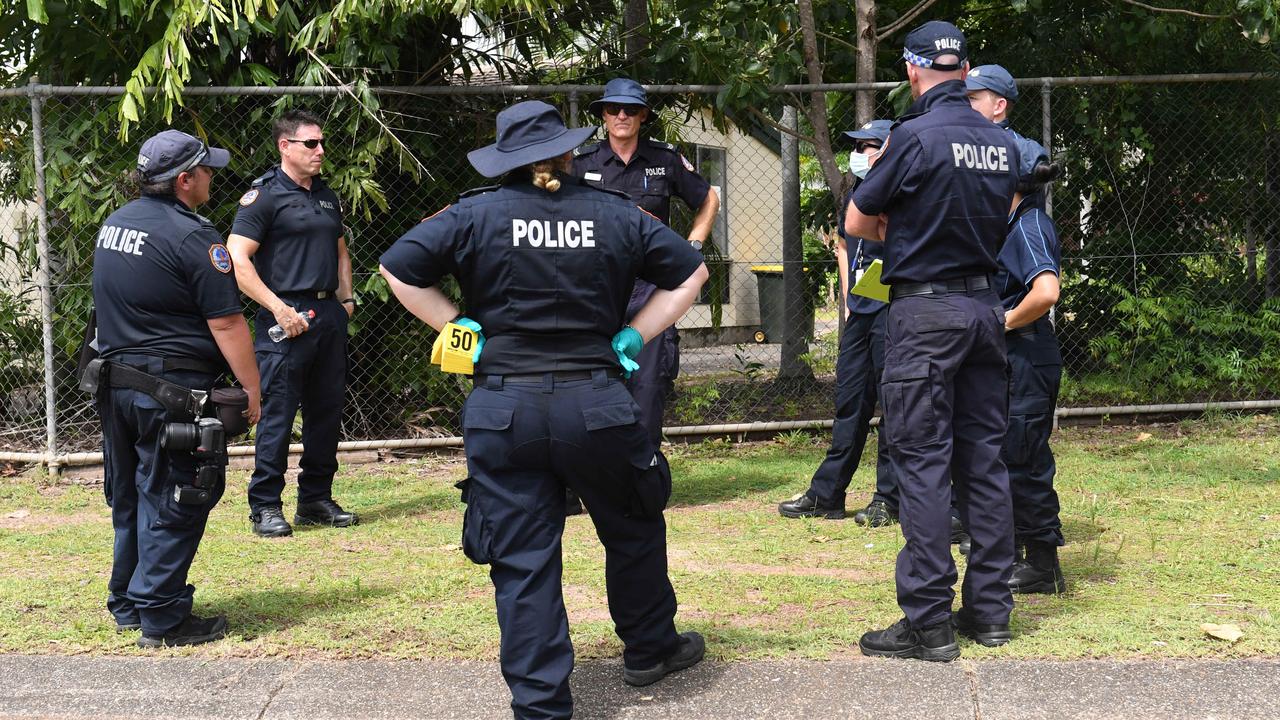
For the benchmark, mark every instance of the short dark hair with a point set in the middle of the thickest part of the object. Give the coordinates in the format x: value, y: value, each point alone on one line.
x: 135, y: 185
x: 288, y: 123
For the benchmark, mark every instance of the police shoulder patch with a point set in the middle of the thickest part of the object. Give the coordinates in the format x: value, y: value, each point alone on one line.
x: 646, y: 212
x: 248, y: 198
x: 685, y: 161
x: 220, y: 257
x: 446, y: 207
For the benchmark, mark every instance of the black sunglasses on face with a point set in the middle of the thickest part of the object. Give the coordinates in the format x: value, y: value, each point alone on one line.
x: 616, y: 109
x: 311, y: 144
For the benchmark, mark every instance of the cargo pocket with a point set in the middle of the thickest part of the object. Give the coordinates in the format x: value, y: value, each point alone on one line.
x: 486, y: 418
x: 1015, y: 441
x: 172, y: 514
x: 907, y: 398
x: 477, y: 537
x: 651, y: 487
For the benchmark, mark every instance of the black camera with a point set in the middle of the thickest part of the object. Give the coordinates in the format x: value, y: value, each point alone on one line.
x: 206, y: 440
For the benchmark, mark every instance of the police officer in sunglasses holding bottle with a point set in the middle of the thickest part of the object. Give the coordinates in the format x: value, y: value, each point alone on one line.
x: 291, y: 258
x: 651, y: 172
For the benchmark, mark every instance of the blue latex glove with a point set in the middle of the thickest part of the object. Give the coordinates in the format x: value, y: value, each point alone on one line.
x: 470, y: 324
x: 627, y: 344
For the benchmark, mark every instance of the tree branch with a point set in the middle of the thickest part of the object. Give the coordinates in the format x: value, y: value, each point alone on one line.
x: 1176, y: 11
x: 903, y: 21
x: 755, y: 113
x: 840, y: 40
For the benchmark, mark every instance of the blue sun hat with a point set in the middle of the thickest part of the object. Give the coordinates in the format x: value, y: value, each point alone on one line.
x: 528, y: 131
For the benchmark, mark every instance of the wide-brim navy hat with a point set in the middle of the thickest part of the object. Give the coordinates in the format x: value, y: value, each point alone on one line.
x: 528, y: 131
x: 876, y: 131
x: 623, y: 91
x: 994, y: 78
x: 170, y: 153
x: 933, y: 40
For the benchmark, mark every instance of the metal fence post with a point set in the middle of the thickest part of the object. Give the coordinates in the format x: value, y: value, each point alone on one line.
x: 573, y: 109
x: 43, y: 278
x: 1046, y: 135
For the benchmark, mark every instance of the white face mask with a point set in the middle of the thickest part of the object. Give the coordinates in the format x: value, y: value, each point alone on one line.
x: 859, y: 163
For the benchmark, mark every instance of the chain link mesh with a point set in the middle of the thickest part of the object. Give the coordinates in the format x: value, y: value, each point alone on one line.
x: 1168, y: 212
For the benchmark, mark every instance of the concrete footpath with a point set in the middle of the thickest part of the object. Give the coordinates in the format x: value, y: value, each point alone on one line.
x: 151, y: 688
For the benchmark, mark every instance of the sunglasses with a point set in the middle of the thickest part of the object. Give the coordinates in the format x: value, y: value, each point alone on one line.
x: 616, y: 109
x: 311, y: 144
x: 863, y: 146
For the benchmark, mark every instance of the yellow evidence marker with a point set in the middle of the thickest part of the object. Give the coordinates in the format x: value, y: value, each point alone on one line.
x: 453, y: 349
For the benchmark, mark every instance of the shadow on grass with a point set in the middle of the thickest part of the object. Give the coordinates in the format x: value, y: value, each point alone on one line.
x: 262, y: 612
x: 599, y: 693
x: 704, y: 482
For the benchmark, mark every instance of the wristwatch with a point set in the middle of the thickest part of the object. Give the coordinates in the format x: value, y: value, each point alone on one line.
x: 697, y: 245
x: 351, y: 300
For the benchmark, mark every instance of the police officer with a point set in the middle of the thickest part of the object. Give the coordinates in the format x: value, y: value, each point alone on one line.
x: 650, y: 172
x: 166, y: 303
x: 291, y: 258
x: 858, y: 370
x: 1027, y: 281
x: 940, y: 197
x: 546, y: 265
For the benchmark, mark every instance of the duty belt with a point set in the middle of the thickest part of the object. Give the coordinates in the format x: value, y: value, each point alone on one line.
x: 309, y: 294
x: 1039, y: 327
x: 554, y: 376
x: 174, y: 397
x: 970, y: 284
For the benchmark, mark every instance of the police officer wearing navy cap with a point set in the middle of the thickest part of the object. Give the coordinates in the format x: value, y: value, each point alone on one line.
x: 651, y: 173
x: 940, y: 197
x: 166, y: 305
x: 546, y: 265
x: 858, y: 370
x: 291, y: 258
x: 1030, y: 263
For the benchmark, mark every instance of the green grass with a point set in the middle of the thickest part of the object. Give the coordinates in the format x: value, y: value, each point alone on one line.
x: 1164, y: 533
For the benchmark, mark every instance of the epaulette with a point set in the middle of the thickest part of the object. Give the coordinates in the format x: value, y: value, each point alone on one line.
x: 477, y: 191
x: 264, y: 177
x: 585, y: 149
x: 663, y: 145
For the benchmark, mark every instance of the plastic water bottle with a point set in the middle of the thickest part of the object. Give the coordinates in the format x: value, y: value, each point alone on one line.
x: 277, y: 333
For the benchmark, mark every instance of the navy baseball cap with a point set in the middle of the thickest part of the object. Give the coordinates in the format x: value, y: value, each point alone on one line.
x: 170, y: 153
x: 994, y: 78
x: 931, y: 41
x: 528, y: 131
x: 875, y: 131
x: 623, y: 91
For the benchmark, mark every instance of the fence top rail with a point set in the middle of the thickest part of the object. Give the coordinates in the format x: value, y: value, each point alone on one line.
x: 490, y: 90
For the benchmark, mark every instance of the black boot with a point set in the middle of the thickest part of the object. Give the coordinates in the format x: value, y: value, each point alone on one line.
x: 1039, y: 572
x: 324, y: 512
x: 959, y: 536
x: 269, y: 522
x: 192, y: 631
x: 572, y: 503
x: 876, y: 514
x: 805, y: 505
x: 936, y: 643
x: 988, y: 634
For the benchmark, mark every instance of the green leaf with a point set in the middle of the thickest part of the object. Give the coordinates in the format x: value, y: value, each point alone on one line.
x: 36, y: 12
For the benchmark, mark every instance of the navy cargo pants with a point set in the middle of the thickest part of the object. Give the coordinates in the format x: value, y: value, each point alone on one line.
x: 307, y: 371
x: 659, y: 362
x: 155, y: 538
x: 526, y: 439
x: 946, y: 407
x: 858, y: 370
x: 1035, y: 364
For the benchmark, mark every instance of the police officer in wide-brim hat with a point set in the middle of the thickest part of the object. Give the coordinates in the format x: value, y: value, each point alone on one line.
x: 545, y: 265
x: 858, y: 369
x: 168, y: 314
x: 940, y: 196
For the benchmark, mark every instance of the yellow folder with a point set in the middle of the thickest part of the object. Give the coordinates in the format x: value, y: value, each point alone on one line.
x: 869, y: 284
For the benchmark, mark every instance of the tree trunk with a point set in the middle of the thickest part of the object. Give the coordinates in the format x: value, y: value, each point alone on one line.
x: 635, y: 27
x: 1270, y: 229
x: 816, y: 110
x: 865, y: 67
x: 796, y: 311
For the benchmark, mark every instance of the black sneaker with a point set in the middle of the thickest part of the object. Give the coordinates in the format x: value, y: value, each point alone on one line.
x: 1038, y: 572
x: 324, y: 512
x: 936, y: 643
x: 876, y: 514
x: 192, y: 631
x: 959, y: 536
x: 987, y: 634
x: 269, y: 522
x: 805, y: 505
x: 692, y: 648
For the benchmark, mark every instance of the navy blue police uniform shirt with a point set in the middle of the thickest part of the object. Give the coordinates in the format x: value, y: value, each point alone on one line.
x: 547, y: 275
x: 861, y: 254
x: 297, y: 231
x: 160, y: 272
x: 1031, y: 248
x: 946, y: 181
x: 657, y: 172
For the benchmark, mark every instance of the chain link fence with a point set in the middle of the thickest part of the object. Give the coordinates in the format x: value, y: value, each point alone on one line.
x: 1169, y: 210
